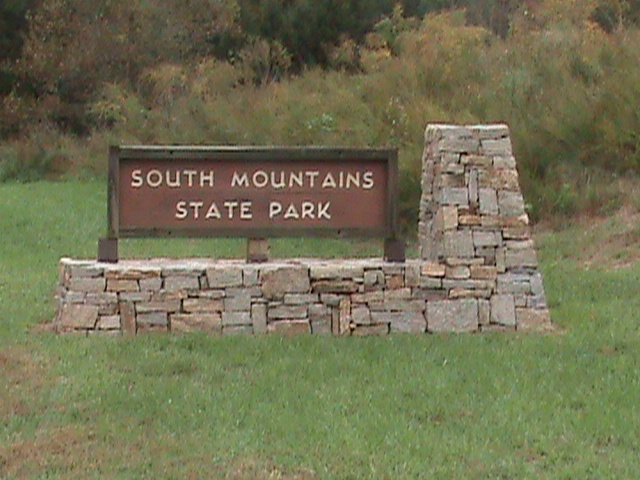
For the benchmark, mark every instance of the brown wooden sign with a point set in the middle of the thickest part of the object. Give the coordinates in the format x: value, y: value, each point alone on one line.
x: 253, y: 192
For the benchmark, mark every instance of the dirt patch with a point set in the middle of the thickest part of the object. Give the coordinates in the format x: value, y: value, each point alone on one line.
x: 63, y: 450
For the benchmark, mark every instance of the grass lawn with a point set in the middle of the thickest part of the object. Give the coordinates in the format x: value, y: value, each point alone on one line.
x: 561, y: 406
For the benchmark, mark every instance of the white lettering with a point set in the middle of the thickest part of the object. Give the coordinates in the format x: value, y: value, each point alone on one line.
x: 207, y: 177
x: 240, y: 180
x: 291, y: 212
x: 136, y: 179
x: 307, y: 210
x: 173, y: 183
x: 312, y: 177
x: 323, y: 211
x: 353, y: 179
x: 196, y: 206
x: 260, y: 179
x: 154, y: 178
x: 329, y: 181
x: 213, y: 212
x: 297, y: 178
x: 245, y: 211
x: 181, y: 210
x: 190, y: 174
x: 230, y: 206
x: 275, y: 209
x: 277, y: 184
x: 367, y: 180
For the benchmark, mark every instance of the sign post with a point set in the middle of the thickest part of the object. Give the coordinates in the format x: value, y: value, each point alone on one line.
x: 252, y: 192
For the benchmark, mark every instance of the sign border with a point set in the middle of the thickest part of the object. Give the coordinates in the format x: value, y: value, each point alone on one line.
x: 247, y: 154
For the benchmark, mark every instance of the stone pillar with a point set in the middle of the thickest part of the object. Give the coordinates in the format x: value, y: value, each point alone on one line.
x: 472, y: 216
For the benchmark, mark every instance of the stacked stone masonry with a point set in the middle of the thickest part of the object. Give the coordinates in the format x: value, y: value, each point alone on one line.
x: 477, y: 271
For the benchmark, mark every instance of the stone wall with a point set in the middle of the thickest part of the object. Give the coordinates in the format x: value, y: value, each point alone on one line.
x: 477, y: 271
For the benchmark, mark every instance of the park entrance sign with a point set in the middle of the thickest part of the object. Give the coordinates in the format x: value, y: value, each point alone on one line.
x: 477, y: 269
x: 253, y: 192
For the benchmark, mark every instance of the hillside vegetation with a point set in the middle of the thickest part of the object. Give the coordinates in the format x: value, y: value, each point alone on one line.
x: 79, y: 75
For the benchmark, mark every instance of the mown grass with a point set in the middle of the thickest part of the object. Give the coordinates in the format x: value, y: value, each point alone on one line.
x: 469, y: 406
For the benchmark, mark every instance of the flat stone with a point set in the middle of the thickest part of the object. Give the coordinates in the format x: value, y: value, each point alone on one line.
x: 128, y: 318
x: 114, y: 285
x: 78, y: 316
x: 412, y: 275
x: 491, y: 132
x: 150, y: 284
x: 511, y: 204
x: 488, y: 201
x: 486, y: 239
x: 521, y: 258
x: 290, y: 328
x: 224, y: 276
x: 505, y: 179
x: 503, y: 310
x: 198, y: 322
x: 408, y: 322
x: 237, y: 300
x: 370, y: 330
x: 532, y: 320
x: 458, y: 273
x: 321, y: 326
x: 158, y: 306
x: 447, y: 218
x: 501, y: 146
x: 86, y: 270
x: 394, y: 282
x: 202, y: 305
x: 178, y: 283
x: 462, y: 141
x: 135, y: 296
x: 344, y: 316
x: 454, y: 196
x: 398, y: 294
x: 318, y: 311
x: 470, y: 220
x: 374, y: 296
x: 482, y: 272
x: 373, y: 277
x: 259, y: 318
x: 74, y: 297
x: 458, y: 244
x: 236, y: 318
x: 300, y: 298
x: 484, y: 312
x: 452, y: 316
x: 403, y: 305
x: 430, y: 283
x: 108, y: 322
x: 326, y: 272
x: 279, y: 281
x: 331, y: 299
x: 211, y: 294
x: 87, y: 284
x: 468, y: 293
x: 288, y: 312
x: 335, y: 286
x: 249, y: 276
x: 504, y: 161
x: 360, y: 316
x: 433, y: 270
x: 153, y: 319
x: 514, y: 283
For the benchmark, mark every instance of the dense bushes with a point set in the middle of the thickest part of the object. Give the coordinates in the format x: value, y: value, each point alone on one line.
x: 567, y: 86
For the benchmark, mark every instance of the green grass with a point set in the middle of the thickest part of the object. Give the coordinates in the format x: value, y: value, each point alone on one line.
x: 559, y: 406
